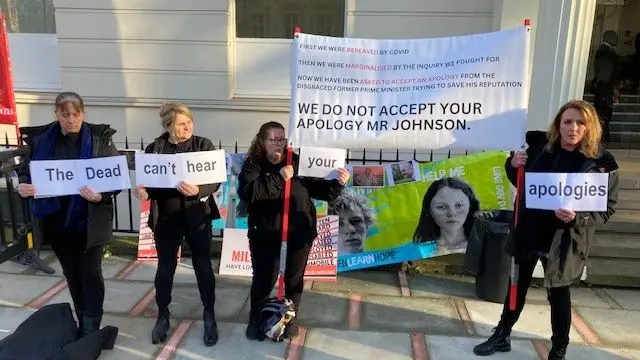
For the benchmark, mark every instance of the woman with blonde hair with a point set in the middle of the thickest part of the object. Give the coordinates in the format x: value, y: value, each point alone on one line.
x: 559, y: 238
x: 182, y: 213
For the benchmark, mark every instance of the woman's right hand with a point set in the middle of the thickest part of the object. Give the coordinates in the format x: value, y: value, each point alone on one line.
x: 519, y: 159
x: 141, y: 193
x: 26, y: 190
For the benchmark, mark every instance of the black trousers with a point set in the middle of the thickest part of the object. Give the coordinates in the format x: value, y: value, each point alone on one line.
x: 265, y: 259
x: 82, y: 268
x: 168, y: 238
x: 603, y: 102
x: 559, y: 298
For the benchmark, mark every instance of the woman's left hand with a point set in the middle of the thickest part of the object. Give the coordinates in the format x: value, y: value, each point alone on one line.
x: 565, y: 215
x: 88, y: 194
x: 343, y: 176
x: 188, y: 189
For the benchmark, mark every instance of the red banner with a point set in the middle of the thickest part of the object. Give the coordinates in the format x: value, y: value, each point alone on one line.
x: 8, y: 116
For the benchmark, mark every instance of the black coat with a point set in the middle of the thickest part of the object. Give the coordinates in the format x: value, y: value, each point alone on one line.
x: 261, y: 186
x: 195, y: 211
x: 100, y: 214
x: 570, y: 247
x: 50, y: 334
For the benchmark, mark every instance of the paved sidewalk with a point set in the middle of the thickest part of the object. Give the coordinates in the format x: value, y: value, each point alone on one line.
x: 365, y: 315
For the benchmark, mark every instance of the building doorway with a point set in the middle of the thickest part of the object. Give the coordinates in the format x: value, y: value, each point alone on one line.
x: 615, y: 49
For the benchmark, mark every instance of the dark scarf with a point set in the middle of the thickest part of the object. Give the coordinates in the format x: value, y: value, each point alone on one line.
x: 77, y: 211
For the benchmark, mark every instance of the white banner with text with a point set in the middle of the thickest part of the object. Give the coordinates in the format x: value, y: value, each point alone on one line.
x: 572, y: 191
x: 167, y: 170
x: 66, y: 177
x: 463, y: 92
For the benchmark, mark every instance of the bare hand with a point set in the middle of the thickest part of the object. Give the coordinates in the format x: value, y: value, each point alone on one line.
x: 343, y: 176
x: 565, y: 215
x: 141, y: 193
x: 88, y: 194
x: 287, y: 172
x: 26, y: 190
x: 188, y: 189
x: 519, y: 159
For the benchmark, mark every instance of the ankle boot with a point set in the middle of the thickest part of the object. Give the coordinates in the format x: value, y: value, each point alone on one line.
x: 253, y: 331
x: 210, y: 329
x: 499, y: 341
x: 160, y: 329
x: 90, y: 325
x: 291, y: 330
x: 557, y: 353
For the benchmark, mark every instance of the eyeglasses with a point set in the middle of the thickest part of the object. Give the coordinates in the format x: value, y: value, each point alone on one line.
x: 277, y: 141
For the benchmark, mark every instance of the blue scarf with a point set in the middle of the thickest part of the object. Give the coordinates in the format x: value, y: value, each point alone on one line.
x: 77, y: 211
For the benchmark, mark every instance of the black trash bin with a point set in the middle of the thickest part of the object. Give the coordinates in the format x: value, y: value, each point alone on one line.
x: 486, y: 257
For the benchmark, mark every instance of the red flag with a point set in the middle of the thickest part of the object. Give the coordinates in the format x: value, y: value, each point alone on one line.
x: 8, y: 116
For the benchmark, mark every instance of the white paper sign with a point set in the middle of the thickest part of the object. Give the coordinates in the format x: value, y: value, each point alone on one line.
x: 320, y: 162
x: 157, y: 170
x: 461, y: 92
x: 167, y: 170
x: 204, y: 167
x: 66, y: 177
x: 572, y: 191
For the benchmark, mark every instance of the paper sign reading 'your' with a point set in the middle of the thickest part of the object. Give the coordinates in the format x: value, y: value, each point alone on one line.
x: 320, y: 162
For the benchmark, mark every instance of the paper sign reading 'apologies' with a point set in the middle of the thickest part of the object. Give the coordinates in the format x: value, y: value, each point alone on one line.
x: 410, y: 93
x: 66, y: 177
x: 167, y: 170
x: 573, y: 191
x: 320, y: 162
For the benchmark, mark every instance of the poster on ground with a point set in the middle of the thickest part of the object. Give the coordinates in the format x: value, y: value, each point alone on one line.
x: 235, y: 258
x: 463, y: 92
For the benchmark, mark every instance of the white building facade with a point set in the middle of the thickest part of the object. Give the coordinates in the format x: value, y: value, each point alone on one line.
x: 229, y: 59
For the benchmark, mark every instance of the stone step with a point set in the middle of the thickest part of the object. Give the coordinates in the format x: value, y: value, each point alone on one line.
x: 624, y: 99
x: 613, y: 245
x: 628, y: 199
x: 623, y: 221
x: 613, y: 272
x: 626, y: 117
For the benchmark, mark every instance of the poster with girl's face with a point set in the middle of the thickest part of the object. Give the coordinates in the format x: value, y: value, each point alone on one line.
x: 424, y: 210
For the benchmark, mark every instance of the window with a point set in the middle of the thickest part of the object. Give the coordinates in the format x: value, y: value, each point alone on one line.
x: 276, y: 19
x: 33, y: 44
x: 29, y: 16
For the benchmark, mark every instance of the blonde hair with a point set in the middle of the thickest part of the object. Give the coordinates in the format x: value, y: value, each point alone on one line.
x: 590, y: 144
x: 168, y: 112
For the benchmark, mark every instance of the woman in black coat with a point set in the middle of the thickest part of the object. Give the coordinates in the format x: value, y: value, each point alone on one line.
x: 561, y: 238
x: 77, y: 227
x: 261, y: 185
x: 182, y: 213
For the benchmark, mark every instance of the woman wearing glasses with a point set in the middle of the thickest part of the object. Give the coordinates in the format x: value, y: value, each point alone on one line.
x: 261, y: 185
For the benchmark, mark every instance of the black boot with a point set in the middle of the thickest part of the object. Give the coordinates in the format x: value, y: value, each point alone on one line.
x: 499, y: 341
x: 90, y: 325
x: 160, y: 329
x: 210, y: 329
x: 253, y: 331
x: 557, y: 353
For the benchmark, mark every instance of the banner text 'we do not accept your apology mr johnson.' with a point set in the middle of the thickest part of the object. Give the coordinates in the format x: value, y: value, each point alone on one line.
x: 465, y: 92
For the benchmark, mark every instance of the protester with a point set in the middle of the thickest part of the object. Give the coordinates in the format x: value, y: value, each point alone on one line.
x: 77, y: 227
x: 261, y: 186
x: 185, y: 212
x: 560, y: 238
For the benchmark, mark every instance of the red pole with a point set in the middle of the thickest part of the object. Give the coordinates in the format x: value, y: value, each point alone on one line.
x: 513, y: 291
x: 8, y: 114
x: 285, y: 214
